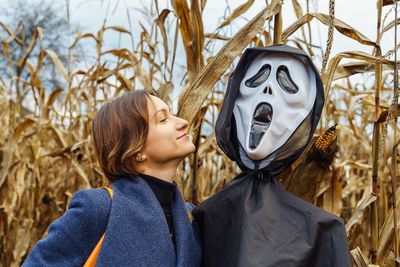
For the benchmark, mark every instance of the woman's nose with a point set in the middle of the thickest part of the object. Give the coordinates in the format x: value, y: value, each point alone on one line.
x: 181, y: 124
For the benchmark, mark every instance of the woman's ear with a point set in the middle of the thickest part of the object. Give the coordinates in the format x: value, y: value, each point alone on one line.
x: 140, y: 157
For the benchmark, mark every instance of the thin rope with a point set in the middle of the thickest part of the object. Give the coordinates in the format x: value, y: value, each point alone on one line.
x: 330, y: 35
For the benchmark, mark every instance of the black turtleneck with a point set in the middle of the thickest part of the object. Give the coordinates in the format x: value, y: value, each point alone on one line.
x: 164, y: 192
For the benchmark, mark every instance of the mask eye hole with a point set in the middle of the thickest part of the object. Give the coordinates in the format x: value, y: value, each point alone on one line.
x: 260, y: 77
x: 285, y: 81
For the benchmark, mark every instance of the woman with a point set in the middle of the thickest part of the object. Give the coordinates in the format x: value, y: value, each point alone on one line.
x: 139, y: 145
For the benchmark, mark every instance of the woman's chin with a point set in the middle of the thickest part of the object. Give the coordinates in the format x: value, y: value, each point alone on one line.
x: 193, y: 148
x: 190, y: 149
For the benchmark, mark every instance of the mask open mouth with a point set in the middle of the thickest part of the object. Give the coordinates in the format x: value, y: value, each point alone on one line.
x: 262, y: 118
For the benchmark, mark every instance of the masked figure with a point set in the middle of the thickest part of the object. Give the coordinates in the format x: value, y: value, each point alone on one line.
x: 271, y: 109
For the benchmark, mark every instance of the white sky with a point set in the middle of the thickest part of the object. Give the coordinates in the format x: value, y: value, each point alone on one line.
x: 361, y: 14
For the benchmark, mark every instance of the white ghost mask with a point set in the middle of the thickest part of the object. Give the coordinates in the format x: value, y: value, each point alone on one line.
x: 276, y: 94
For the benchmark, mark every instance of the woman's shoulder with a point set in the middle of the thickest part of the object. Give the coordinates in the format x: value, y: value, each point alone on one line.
x: 95, y: 200
x: 96, y: 197
x: 73, y: 236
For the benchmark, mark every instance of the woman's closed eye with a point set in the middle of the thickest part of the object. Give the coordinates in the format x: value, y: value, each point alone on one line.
x: 163, y: 116
x: 166, y: 117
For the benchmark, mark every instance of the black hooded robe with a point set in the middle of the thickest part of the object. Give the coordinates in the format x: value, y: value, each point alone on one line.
x: 253, y: 221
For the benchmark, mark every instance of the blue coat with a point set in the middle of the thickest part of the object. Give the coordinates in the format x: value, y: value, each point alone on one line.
x: 136, y: 230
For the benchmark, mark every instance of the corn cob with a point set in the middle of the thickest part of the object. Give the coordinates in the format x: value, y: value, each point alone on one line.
x: 325, y: 139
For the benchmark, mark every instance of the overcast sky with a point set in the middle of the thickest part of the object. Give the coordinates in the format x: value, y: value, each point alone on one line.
x: 361, y: 14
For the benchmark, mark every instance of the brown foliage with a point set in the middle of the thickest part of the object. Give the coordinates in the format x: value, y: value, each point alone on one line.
x: 46, y: 153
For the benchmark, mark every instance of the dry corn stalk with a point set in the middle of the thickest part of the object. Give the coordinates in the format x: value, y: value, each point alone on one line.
x: 46, y: 153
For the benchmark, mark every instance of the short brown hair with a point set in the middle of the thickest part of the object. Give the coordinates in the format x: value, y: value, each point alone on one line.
x: 120, y: 129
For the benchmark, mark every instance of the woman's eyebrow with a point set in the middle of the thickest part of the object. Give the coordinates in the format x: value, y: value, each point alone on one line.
x: 161, y: 110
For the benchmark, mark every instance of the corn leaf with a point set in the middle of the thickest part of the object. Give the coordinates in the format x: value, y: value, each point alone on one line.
x: 236, y: 13
x: 339, y: 25
x: 359, y: 211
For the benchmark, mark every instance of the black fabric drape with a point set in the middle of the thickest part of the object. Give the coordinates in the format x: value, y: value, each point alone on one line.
x: 253, y: 221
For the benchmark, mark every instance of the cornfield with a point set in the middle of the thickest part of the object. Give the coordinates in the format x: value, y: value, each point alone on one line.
x: 46, y: 149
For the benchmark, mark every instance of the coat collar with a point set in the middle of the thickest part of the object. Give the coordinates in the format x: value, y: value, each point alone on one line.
x: 137, y: 232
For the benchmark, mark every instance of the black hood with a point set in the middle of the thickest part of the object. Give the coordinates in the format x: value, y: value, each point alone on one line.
x: 225, y: 128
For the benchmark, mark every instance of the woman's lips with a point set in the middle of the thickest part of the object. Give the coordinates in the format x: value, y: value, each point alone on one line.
x: 185, y: 135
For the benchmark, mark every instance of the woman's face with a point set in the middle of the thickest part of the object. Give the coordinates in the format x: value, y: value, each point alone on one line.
x: 167, y: 139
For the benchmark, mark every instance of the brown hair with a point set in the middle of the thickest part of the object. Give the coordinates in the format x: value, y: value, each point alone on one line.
x: 120, y: 129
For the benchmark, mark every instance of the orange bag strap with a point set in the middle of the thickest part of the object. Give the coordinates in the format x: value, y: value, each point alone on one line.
x: 91, y: 261
x: 110, y: 191
x: 191, y: 218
